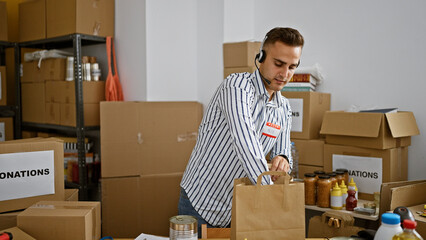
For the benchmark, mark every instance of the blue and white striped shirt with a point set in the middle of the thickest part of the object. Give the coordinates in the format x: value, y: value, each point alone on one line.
x: 232, y: 143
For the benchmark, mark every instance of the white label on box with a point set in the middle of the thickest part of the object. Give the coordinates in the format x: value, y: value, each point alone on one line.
x: 296, y: 105
x: 2, y: 132
x: 26, y: 174
x: 367, y: 172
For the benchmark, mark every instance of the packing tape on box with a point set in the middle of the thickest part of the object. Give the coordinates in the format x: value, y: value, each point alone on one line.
x: 191, y: 136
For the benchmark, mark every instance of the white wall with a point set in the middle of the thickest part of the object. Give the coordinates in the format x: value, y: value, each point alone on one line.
x: 373, y: 53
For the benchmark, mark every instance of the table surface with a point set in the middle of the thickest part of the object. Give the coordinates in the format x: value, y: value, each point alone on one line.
x: 354, y: 214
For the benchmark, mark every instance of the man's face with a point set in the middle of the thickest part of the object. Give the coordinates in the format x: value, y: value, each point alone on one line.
x: 279, y: 65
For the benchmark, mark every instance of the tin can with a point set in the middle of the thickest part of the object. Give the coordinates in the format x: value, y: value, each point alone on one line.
x: 183, y: 227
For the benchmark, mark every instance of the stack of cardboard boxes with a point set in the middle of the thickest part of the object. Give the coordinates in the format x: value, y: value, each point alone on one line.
x: 145, y: 147
x: 6, y: 124
x: 239, y: 57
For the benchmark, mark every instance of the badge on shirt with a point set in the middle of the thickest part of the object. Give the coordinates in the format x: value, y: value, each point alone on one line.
x: 271, y: 130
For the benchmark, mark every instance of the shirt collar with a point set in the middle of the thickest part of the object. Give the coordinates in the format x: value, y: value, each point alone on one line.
x: 261, y: 90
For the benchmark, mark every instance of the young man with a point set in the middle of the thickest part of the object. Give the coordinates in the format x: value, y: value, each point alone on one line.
x: 245, y: 120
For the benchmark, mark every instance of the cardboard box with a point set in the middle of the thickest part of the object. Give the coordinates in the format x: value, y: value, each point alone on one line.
x: 71, y: 220
x: 240, y: 54
x: 71, y: 194
x: 32, y: 20
x: 92, y: 17
x: 53, y: 113
x: 23, y: 190
x: 6, y: 129
x: 64, y: 91
x: 143, y: 138
x: 3, y: 85
x: 369, y: 167
x: 90, y: 111
x: 421, y: 221
x: 311, y: 152
x: 308, y: 111
x: 33, y: 102
x: 3, y: 22
x: 50, y: 69
x: 18, y: 234
x: 308, y: 169
x: 28, y: 134
x: 229, y: 70
x: 370, y: 130
x: 132, y: 205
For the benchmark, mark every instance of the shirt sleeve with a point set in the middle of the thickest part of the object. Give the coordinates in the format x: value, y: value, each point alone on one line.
x: 235, y: 102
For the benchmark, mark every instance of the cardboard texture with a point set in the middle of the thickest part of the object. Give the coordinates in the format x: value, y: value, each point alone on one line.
x: 68, y: 114
x: 92, y: 17
x: 28, y: 134
x: 369, y: 130
x: 6, y: 129
x: 394, y: 163
x: 71, y: 194
x: 70, y: 221
x: 33, y: 102
x: 308, y: 169
x: 53, y: 113
x: 408, y: 195
x: 18, y: 234
x: 3, y: 22
x: 32, y: 20
x: 64, y: 91
x: 319, y: 226
x: 50, y: 69
x: 142, y: 138
x: 315, y: 104
x: 311, y: 152
x: 3, y: 85
x: 132, y: 205
x: 33, y: 145
x: 240, y: 54
x: 229, y: 70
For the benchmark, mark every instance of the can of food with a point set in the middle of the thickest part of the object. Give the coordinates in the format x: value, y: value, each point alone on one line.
x: 183, y: 227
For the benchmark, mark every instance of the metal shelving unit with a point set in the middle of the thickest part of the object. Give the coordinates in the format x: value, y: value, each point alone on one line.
x: 75, y: 41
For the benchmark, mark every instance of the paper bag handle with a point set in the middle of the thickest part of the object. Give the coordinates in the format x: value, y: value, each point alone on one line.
x: 259, y: 178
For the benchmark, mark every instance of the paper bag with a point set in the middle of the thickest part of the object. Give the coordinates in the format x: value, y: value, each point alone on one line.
x: 332, y: 224
x: 268, y: 211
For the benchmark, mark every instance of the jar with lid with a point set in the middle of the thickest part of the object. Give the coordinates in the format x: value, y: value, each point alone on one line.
x: 323, y: 191
x: 345, y: 174
x: 318, y: 173
x: 340, y: 175
x: 333, y: 178
x: 310, y: 188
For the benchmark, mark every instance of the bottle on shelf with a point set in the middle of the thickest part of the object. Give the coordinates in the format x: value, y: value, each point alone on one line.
x: 295, y: 155
x: 352, y: 186
x: 336, y: 198
x: 351, y: 201
x: 344, y: 192
x: 390, y: 227
x: 409, y: 231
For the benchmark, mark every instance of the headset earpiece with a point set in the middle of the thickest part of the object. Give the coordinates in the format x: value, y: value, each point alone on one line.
x: 261, y: 56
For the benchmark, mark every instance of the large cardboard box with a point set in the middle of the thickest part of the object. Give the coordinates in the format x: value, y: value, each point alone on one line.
x: 370, y: 130
x: 50, y: 69
x: 92, y: 17
x: 3, y: 86
x: 308, y: 110
x: 240, y: 54
x: 71, y: 220
x: 53, y: 113
x: 229, y: 70
x: 33, y: 102
x: 308, y: 169
x: 3, y: 22
x: 143, y: 138
x: 32, y: 20
x: 17, y: 233
x: 69, y: 115
x: 311, y: 152
x: 32, y: 170
x: 6, y: 129
x: 368, y: 167
x: 64, y: 91
x: 132, y: 205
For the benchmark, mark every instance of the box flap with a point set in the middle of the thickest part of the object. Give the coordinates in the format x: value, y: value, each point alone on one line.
x: 351, y: 124
x: 402, y: 124
x: 409, y: 195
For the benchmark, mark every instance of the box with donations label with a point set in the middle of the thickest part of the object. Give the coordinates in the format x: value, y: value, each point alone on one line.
x: 368, y: 167
x: 308, y: 110
x: 31, y: 170
x: 370, y: 130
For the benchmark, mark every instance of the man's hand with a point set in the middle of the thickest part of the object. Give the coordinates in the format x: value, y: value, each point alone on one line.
x: 279, y: 163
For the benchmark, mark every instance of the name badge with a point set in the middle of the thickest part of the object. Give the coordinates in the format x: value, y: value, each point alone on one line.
x: 271, y: 130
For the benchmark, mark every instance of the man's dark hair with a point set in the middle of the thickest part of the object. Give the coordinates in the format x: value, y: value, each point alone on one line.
x: 288, y: 36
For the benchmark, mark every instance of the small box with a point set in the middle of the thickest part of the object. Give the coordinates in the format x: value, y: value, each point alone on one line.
x: 3, y: 22
x: 240, y: 54
x: 308, y: 169
x: 311, y: 152
x: 368, y: 167
x: 32, y: 170
x: 229, y: 70
x: 53, y: 113
x: 92, y: 17
x: 6, y: 129
x: 32, y: 20
x: 50, y: 69
x: 33, y: 102
x: 69, y: 115
x: 71, y: 220
x: 93, y: 92
x: 369, y: 130
x: 3, y: 86
x: 308, y: 110
x: 18, y: 234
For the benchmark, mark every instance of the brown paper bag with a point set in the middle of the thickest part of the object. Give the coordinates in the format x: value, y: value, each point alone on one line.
x: 269, y: 211
x: 332, y: 224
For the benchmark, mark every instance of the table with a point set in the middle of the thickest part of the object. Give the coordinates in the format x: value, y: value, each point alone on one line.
x: 361, y: 202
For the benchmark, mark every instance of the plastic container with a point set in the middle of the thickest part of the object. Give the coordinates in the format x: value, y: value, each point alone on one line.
x: 310, y: 188
x: 409, y: 232
x: 351, y: 201
x: 344, y: 193
x: 352, y: 186
x: 295, y: 155
x: 336, y: 201
x: 390, y: 227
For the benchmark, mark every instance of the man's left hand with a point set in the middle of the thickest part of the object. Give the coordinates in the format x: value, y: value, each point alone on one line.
x: 279, y: 163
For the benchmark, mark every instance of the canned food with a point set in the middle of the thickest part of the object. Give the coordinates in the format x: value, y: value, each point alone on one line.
x: 183, y: 227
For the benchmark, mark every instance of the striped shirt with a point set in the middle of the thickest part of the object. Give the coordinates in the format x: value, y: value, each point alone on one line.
x: 239, y: 128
